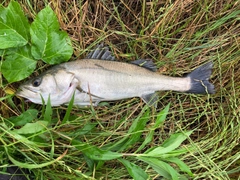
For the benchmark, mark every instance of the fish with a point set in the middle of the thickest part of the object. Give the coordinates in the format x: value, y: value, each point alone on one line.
x: 99, y: 77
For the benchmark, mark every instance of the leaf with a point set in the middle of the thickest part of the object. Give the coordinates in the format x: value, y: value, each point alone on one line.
x: 29, y: 166
x: 174, y: 153
x: 134, y: 133
x: 31, y: 128
x: 176, y: 139
x: 19, y: 64
x: 160, y: 119
x: 25, y: 117
x: 181, y: 165
x: 95, y: 153
x: 70, y: 105
x: 14, y: 26
x: 2, y: 52
x: 86, y: 129
x: 48, y: 42
x: 161, y: 168
x: 135, y: 171
x: 20, y: 138
x: 169, y: 145
x: 162, y: 116
x: 48, y: 111
x: 90, y: 163
x: 218, y: 23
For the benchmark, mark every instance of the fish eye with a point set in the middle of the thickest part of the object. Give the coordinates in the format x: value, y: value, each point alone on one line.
x: 36, y: 82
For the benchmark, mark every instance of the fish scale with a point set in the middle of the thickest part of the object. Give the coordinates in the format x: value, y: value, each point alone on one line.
x: 95, y: 80
x: 122, y: 76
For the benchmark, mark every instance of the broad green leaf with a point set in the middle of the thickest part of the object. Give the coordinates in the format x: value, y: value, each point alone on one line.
x: 14, y: 26
x: 161, y: 168
x: 18, y: 64
x: 175, y: 140
x: 90, y: 162
x: 48, y: 42
x: 160, y: 119
x: 25, y: 117
x: 134, y: 132
x: 31, y: 128
x: 135, y: 171
x: 95, y: 153
x: 18, y: 138
x: 162, y: 116
x: 169, y: 145
x: 181, y: 165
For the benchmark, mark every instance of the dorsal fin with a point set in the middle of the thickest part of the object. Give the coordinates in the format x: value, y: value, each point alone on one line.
x: 148, y: 64
x: 101, y: 52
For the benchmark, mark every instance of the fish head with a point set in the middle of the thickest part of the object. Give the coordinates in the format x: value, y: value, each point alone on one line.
x: 58, y: 85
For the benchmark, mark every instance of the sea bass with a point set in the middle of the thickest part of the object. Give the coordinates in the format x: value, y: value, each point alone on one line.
x: 99, y: 77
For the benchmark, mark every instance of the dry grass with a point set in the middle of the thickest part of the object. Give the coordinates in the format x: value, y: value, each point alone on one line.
x: 178, y: 36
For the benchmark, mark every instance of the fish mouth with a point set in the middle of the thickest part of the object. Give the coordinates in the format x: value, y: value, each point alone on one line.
x: 26, y: 92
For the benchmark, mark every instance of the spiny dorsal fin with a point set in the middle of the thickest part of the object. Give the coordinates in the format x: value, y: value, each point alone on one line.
x: 148, y: 64
x: 101, y: 52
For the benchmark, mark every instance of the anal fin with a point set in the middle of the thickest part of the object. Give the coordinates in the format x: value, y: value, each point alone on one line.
x: 150, y: 99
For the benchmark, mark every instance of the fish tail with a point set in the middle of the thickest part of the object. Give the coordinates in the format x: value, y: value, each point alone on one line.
x: 200, y: 80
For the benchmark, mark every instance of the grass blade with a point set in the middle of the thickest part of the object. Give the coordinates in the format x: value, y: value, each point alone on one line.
x: 159, y: 121
x: 161, y: 167
x: 135, y: 171
x: 94, y: 152
x: 169, y: 145
x: 134, y: 133
x: 183, y: 167
x: 48, y: 111
x: 70, y: 105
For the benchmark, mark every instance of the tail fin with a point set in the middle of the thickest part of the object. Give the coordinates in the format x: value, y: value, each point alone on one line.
x: 199, y: 80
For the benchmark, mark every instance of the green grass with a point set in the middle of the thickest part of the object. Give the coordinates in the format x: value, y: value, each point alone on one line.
x: 178, y: 37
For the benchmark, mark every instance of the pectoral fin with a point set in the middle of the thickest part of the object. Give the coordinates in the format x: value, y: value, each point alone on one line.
x: 150, y: 99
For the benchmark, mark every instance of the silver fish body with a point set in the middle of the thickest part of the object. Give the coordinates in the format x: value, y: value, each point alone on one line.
x: 95, y: 80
